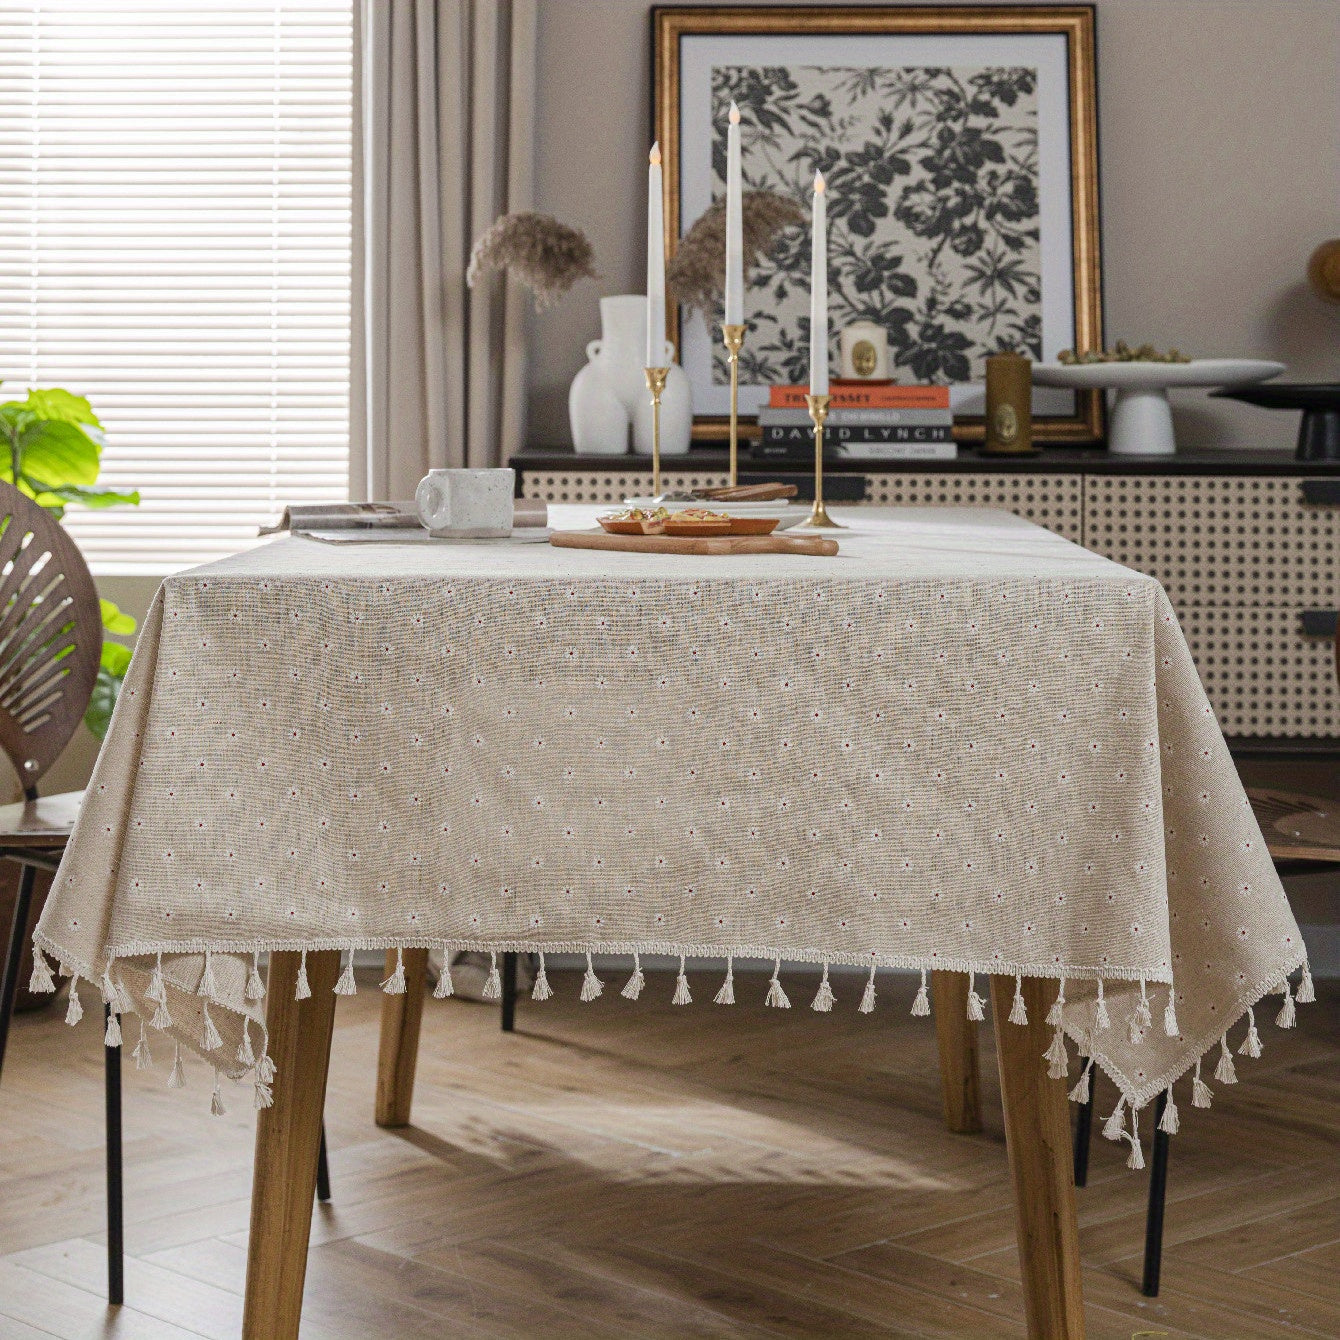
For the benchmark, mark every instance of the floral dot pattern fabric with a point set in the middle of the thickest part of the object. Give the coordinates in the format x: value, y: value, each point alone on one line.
x: 964, y: 743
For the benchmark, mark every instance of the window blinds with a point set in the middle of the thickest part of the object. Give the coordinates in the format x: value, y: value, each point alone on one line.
x: 175, y: 216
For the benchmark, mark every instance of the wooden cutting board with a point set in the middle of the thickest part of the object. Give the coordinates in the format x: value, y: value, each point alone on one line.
x: 684, y: 544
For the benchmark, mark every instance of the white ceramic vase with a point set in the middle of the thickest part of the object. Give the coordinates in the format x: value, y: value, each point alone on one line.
x: 609, y: 395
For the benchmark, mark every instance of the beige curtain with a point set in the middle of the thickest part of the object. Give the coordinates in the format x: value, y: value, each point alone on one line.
x: 446, y: 100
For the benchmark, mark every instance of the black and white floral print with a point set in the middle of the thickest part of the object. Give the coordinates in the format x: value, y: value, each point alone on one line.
x: 933, y: 214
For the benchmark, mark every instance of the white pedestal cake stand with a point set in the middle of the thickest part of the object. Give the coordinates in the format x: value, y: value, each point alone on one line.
x: 1141, y: 422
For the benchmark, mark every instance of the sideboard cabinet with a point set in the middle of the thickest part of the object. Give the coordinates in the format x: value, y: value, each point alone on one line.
x: 1247, y: 545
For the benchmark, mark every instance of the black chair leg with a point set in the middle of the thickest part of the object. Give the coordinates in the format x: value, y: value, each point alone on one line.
x: 508, y: 993
x: 9, y: 987
x: 116, y: 1247
x: 1158, y: 1190
x: 1083, y: 1134
x: 322, y: 1170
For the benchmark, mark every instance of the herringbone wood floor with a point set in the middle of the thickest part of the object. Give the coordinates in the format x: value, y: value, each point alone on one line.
x: 641, y: 1170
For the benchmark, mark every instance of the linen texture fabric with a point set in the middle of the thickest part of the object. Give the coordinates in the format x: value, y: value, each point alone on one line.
x: 963, y: 743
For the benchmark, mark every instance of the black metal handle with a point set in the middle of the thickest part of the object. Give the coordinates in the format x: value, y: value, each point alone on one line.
x: 1320, y: 623
x: 1322, y: 492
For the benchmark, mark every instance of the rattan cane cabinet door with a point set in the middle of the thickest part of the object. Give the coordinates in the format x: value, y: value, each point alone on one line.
x: 1242, y: 558
x: 1235, y: 541
x: 599, y: 486
x: 1263, y: 674
x: 1055, y: 501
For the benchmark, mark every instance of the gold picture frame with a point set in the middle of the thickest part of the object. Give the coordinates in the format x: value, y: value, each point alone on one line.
x: 740, y: 26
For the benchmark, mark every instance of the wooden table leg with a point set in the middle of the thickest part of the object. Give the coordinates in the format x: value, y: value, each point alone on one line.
x: 398, y: 1053
x: 288, y: 1138
x: 1037, y: 1138
x: 957, y: 1036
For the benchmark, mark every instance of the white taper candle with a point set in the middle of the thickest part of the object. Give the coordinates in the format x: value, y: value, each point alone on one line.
x: 655, y: 263
x: 819, y: 292
x: 734, y: 225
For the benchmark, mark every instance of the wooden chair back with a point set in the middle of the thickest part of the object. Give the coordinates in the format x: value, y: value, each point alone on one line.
x: 50, y: 636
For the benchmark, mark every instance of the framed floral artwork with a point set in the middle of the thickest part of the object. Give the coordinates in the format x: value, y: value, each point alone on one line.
x: 959, y: 148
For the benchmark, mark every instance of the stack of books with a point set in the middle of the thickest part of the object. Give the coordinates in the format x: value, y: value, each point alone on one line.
x: 867, y: 421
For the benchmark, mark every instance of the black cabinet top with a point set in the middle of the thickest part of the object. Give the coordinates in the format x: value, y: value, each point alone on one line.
x: 1051, y: 460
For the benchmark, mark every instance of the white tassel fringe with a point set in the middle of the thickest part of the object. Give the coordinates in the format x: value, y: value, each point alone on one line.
x: 1251, y: 1044
x: 394, y: 985
x: 1101, y: 1018
x: 776, y: 997
x: 1080, y: 1093
x: 681, y: 996
x: 255, y: 987
x: 208, y: 987
x: 143, y: 1059
x: 444, y: 987
x: 1115, y: 1125
x: 303, y: 990
x: 1018, y: 1010
x: 1056, y: 1014
x: 592, y: 986
x: 921, y: 1003
x: 493, y: 982
x: 824, y: 999
x: 1168, y: 1122
x: 1307, y: 993
x: 209, y: 1035
x: 867, y: 1005
x: 346, y: 986
x: 157, y: 990
x: 541, y: 989
x: 41, y: 982
x: 632, y: 988
x: 726, y: 995
x: 1135, y: 1161
x: 1058, y: 1062
x: 976, y: 1006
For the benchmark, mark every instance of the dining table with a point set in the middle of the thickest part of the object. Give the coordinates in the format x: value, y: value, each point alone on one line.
x: 960, y: 745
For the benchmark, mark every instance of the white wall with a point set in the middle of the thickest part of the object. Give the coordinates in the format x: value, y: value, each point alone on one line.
x: 1220, y: 166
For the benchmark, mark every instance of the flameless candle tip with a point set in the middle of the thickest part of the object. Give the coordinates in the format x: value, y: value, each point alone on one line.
x: 818, y: 180
x: 734, y: 115
x: 655, y: 155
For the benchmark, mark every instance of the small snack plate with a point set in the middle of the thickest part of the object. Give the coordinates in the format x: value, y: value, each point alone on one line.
x: 616, y: 527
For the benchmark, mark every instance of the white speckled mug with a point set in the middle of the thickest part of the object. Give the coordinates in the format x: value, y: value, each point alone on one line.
x: 469, y: 504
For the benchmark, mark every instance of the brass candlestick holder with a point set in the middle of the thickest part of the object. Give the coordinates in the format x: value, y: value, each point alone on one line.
x: 819, y: 518
x: 733, y: 338
x: 656, y: 384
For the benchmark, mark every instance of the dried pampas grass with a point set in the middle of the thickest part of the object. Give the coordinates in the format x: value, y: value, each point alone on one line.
x: 698, y: 272
x: 545, y: 255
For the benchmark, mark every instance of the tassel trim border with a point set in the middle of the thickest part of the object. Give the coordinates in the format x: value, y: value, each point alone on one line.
x: 1136, y: 1095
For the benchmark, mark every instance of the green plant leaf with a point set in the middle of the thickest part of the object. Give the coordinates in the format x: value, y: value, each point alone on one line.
x: 116, y: 620
x: 115, y: 659
x: 106, y: 688
x: 55, y: 403
x: 56, y: 454
x: 56, y: 497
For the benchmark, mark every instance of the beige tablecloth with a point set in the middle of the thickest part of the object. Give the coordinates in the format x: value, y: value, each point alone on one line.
x: 962, y: 743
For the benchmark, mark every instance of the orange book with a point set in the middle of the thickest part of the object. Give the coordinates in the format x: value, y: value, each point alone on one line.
x: 849, y: 395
